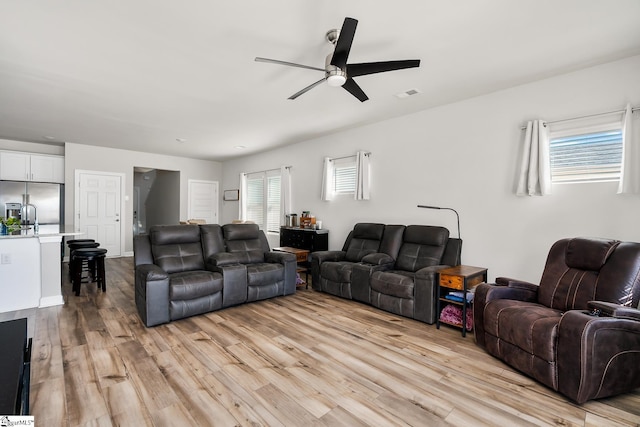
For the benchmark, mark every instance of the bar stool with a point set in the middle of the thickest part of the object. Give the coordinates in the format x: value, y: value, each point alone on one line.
x: 94, y: 257
x: 69, y: 242
x: 89, y: 243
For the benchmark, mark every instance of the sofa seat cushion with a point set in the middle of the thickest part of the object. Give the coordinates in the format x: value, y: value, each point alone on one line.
x: 337, y: 272
x: 194, y: 284
x: 263, y: 274
x: 398, y: 283
x: 531, y: 327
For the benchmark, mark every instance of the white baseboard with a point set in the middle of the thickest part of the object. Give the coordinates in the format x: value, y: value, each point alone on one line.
x: 51, y: 301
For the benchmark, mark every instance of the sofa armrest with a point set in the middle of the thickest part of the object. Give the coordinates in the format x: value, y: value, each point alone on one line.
x: 234, y: 281
x: 223, y: 258
x: 594, y: 354
x: 152, y: 294
x: 324, y: 256
x: 613, y: 310
x: 504, y: 289
x: 425, y: 282
x: 151, y: 272
x: 290, y: 265
x: 516, y: 284
x: 317, y: 258
x: 279, y: 257
x: 378, y: 258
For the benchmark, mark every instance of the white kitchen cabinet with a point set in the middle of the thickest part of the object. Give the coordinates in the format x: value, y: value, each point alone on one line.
x: 47, y: 168
x: 16, y: 166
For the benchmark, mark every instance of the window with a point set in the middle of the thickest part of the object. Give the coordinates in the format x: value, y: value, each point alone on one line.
x: 586, y: 157
x: 344, y: 176
x: 263, y: 200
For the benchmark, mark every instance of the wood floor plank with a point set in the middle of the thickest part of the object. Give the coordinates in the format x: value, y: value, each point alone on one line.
x: 125, y: 406
x: 308, y: 359
x: 85, y: 401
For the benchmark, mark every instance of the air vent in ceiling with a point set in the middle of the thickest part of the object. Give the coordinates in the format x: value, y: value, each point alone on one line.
x: 408, y: 93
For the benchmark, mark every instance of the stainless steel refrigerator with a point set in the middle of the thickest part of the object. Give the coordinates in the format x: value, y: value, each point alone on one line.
x: 47, y: 199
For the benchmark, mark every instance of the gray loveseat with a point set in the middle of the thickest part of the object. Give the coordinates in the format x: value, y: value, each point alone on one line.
x: 392, y: 267
x: 185, y: 270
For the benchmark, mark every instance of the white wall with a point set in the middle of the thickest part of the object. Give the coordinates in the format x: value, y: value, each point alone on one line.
x: 86, y: 157
x: 464, y: 156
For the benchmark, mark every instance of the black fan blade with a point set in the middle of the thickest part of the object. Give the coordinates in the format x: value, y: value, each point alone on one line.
x: 343, y: 45
x: 352, y: 87
x: 355, y: 70
x: 289, y: 64
x: 307, y: 89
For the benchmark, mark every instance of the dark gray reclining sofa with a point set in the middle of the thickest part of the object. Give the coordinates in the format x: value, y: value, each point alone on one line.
x: 392, y: 267
x: 184, y: 270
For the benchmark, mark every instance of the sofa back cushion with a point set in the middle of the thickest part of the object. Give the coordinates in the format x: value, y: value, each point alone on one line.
x: 212, y: 239
x: 422, y: 246
x: 581, y: 270
x: 176, y: 248
x: 364, y: 239
x: 392, y: 240
x: 246, y: 238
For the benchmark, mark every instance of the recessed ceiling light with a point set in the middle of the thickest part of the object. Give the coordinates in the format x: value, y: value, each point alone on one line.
x: 50, y: 138
x: 240, y: 147
x: 408, y: 93
x: 181, y: 140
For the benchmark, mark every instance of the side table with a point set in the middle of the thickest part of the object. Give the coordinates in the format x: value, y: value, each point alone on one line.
x: 302, y: 258
x: 459, y: 278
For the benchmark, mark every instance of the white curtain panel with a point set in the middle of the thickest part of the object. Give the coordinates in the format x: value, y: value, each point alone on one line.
x: 327, y: 174
x: 362, y: 176
x: 242, y: 210
x: 285, y: 193
x: 630, y: 166
x: 535, y: 168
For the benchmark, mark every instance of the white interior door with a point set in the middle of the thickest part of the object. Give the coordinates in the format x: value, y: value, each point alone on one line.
x: 98, y: 213
x: 203, y: 200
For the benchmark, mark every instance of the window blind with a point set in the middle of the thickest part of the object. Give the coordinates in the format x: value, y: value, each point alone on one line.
x: 344, y: 177
x: 273, y: 203
x: 591, y: 157
x: 255, y: 198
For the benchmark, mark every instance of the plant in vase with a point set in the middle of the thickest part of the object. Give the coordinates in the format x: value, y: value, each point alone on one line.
x: 9, y: 225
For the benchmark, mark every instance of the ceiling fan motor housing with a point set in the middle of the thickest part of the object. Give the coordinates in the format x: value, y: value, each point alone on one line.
x: 335, y: 76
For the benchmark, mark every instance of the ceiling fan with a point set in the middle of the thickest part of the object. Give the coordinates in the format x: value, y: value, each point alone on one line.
x: 337, y: 71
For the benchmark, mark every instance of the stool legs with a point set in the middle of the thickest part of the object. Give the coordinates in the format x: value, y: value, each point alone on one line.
x: 76, y: 276
x: 101, y: 279
x: 96, y: 270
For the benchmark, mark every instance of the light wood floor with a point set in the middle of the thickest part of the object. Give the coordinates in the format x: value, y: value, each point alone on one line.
x: 303, y: 360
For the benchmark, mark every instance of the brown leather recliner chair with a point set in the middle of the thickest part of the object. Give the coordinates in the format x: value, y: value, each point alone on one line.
x: 578, y: 332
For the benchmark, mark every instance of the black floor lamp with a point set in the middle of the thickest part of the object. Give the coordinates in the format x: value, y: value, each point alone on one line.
x: 449, y: 209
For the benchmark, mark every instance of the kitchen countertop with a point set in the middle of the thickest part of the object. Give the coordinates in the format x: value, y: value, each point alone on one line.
x: 43, y: 230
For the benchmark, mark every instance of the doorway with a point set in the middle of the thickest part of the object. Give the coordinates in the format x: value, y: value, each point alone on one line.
x: 98, y: 201
x: 203, y: 201
x: 156, y: 198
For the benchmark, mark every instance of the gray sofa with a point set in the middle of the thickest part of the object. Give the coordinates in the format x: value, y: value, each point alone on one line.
x: 185, y: 270
x: 392, y: 267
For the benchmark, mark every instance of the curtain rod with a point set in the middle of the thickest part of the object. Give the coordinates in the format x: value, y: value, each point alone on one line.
x: 633, y: 110
x: 267, y: 170
x: 368, y: 153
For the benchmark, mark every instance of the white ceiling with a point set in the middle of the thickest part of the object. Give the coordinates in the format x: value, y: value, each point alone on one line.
x: 140, y: 74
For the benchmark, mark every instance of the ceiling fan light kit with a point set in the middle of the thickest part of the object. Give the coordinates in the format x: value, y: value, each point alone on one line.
x: 337, y: 71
